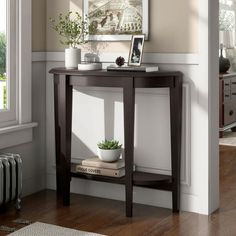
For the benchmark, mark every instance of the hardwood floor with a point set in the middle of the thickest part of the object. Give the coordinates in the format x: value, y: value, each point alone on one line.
x: 107, y: 216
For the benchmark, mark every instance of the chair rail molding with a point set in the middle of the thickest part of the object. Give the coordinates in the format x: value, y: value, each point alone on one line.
x: 165, y: 58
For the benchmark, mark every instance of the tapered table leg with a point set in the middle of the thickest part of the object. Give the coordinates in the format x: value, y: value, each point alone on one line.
x: 129, y: 100
x: 63, y: 117
x: 176, y: 121
x: 57, y: 136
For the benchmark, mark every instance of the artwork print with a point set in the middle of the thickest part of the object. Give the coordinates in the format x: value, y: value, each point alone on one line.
x: 116, y: 19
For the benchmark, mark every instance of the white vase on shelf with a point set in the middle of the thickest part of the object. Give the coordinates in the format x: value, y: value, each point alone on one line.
x: 72, y: 57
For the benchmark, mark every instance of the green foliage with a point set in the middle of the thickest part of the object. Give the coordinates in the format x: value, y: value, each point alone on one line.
x: 3, y: 78
x: 72, y: 28
x: 2, y: 54
x: 109, y: 144
x: 3, y: 45
x: 5, y: 97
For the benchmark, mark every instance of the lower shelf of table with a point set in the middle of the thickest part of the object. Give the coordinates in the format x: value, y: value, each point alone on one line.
x: 141, y: 179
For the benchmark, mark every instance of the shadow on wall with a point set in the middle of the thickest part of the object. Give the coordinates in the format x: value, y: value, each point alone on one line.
x: 95, y: 47
x: 80, y: 149
x: 102, y: 117
x: 94, y: 120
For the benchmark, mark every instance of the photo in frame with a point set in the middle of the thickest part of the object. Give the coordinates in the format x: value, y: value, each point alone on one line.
x: 115, y: 20
x: 136, y: 50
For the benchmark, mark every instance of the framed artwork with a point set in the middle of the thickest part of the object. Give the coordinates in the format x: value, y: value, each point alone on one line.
x: 136, y: 50
x: 115, y: 20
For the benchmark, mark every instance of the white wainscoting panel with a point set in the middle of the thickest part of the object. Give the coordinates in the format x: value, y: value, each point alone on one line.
x: 97, y: 113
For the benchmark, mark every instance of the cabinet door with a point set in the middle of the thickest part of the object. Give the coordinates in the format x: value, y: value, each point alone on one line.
x: 229, y: 113
x: 227, y: 96
x: 233, y: 84
x: 226, y: 84
x: 227, y: 101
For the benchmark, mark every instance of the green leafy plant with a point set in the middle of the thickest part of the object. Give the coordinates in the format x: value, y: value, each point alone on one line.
x: 109, y: 145
x: 2, y: 55
x: 72, y: 28
x: 3, y: 99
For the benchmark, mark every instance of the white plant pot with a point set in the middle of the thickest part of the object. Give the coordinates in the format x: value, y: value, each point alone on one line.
x: 72, y: 58
x: 109, y: 155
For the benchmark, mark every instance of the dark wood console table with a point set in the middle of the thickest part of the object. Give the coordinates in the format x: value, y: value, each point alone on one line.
x: 64, y: 80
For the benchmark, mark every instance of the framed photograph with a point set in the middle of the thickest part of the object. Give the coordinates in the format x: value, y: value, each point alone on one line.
x: 136, y: 50
x: 115, y: 20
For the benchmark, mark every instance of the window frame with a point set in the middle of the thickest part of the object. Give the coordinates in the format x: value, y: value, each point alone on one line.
x: 17, y: 128
x: 9, y: 116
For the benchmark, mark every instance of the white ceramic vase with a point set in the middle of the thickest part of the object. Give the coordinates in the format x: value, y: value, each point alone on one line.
x: 109, y: 155
x: 72, y: 57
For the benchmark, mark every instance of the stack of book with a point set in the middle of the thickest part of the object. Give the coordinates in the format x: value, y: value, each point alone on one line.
x: 95, y: 166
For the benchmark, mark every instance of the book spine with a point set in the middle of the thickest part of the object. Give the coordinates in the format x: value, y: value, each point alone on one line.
x: 100, y: 171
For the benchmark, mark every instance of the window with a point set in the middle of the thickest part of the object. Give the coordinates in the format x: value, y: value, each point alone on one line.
x: 226, y: 16
x: 3, y: 52
x: 8, y: 62
x: 15, y: 73
x: 226, y: 20
x: 227, y: 23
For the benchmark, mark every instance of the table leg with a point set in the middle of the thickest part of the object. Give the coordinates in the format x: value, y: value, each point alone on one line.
x: 129, y: 98
x: 63, y: 120
x: 176, y: 122
x: 57, y: 136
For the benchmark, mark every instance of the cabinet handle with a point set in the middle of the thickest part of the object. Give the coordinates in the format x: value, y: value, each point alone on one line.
x: 233, y: 93
x: 233, y: 82
x: 226, y: 84
x: 226, y: 95
x: 231, y: 112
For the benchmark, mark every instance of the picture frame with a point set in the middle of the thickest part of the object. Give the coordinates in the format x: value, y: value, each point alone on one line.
x: 116, y: 20
x: 136, y: 50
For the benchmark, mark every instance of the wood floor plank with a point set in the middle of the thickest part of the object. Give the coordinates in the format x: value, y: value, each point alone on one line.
x: 107, y: 216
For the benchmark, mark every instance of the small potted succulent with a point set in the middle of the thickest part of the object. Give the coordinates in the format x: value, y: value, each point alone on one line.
x: 74, y: 30
x: 109, y: 150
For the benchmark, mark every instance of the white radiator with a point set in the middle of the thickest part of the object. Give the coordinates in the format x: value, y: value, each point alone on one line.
x: 10, y: 179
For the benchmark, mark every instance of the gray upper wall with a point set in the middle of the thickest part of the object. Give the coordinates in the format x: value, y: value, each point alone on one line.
x: 173, y: 26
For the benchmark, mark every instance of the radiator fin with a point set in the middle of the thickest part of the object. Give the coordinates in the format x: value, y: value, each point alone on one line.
x: 10, y: 179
